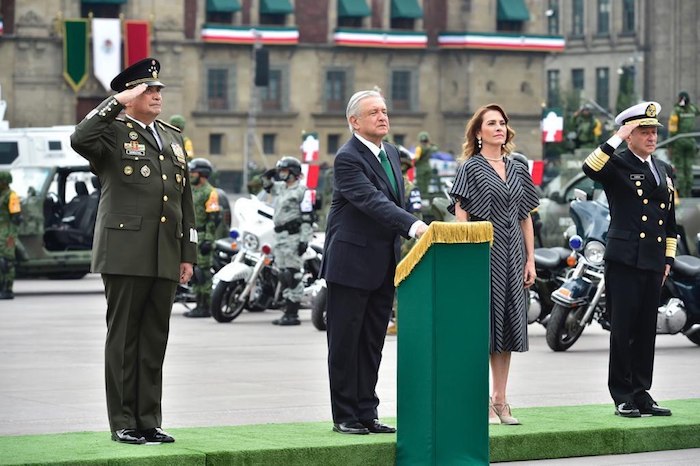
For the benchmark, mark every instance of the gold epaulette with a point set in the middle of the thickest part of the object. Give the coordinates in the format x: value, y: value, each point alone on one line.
x: 164, y: 123
x: 597, y: 160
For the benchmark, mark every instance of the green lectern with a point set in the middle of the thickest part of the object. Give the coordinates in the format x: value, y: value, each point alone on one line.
x: 443, y: 343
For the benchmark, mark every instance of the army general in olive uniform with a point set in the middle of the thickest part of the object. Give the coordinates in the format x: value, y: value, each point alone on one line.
x: 640, y: 249
x: 145, y: 242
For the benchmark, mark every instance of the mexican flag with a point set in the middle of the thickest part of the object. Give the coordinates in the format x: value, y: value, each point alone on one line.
x: 309, y: 147
x: 106, y: 49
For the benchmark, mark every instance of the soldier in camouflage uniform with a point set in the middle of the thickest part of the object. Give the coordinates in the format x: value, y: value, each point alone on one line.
x: 682, y: 120
x: 207, y: 212
x: 424, y: 172
x: 293, y: 218
x: 178, y: 121
x: 10, y: 217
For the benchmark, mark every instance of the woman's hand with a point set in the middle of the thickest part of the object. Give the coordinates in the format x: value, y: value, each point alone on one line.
x: 530, y: 273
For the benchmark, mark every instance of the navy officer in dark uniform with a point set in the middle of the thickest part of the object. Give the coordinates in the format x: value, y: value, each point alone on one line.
x: 145, y: 242
x: 640, y: 249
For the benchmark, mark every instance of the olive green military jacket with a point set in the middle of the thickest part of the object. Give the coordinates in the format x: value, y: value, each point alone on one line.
x: 145, y: 220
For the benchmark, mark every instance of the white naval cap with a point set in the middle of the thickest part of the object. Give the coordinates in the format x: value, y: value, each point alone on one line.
x: 644, y: 112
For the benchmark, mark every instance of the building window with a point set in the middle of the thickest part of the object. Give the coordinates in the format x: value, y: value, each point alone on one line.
x: 603, y: 17
x: 268, y: 143
x: 602, y: 87
x: 511, y: 15
x: 333, y: 144
x: 627, y: 16
x: 274, y: 12
x: 219, y: 88
x: 219, y: 17
x: 101, y: 9
x: 577, y: 18
x: 271, y: 95
x: 222, y: 11
x: 352, y: 12
x: 336, y: 88
x: 216, y: 144
x: 404, y: 14
x: 577, y: 79
x: 399, y: 139
x: 553, y: 18
x: 553, y: 88
x: 402, y: 86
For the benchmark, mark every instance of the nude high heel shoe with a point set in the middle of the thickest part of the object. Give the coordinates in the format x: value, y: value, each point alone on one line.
x: 505, y: 415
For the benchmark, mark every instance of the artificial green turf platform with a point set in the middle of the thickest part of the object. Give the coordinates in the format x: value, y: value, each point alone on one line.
x: 551, y: 432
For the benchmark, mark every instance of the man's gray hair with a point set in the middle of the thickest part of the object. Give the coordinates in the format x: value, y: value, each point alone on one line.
x: 354, y: 104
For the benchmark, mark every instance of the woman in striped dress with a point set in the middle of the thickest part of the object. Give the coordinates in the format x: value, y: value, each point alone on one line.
x: 491, y: 187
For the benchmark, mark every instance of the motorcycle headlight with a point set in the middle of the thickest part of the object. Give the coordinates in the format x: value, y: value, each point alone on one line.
x: 594, y: 252
x: 250, y: 242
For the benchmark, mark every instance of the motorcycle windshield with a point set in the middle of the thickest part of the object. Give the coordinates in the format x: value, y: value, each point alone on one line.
x: 592, y: 218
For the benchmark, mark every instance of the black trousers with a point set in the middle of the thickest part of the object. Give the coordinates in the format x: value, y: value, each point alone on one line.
x: 138, y: 321
x: 633, y: 298
x: 356, y: 327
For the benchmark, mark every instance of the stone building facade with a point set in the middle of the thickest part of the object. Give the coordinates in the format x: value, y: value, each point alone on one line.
x: 435, y: 61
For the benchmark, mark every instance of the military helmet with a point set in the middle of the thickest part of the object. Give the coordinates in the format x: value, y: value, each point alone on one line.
x: 178, y: 121
x: 5, y: 177
x: 201, y: 166
x: 683, y: 95
x: 405, y: 158
x: 423, y: 136
x: 291, y: 164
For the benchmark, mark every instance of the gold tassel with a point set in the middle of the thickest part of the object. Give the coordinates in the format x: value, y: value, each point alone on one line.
x: 446, y: 233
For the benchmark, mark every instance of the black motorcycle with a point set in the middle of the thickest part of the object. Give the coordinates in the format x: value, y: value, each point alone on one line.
x: 680, y: 300
x: 224, y: 250
x: 581, y: 298
x: 552, y: 267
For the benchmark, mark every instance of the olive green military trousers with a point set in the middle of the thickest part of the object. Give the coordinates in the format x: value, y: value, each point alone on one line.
x: 138, y: 321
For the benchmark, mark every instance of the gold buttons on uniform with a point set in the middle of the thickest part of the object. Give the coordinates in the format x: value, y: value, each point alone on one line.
x: 161, y: 157
x: 645, y: 201
x: 638, y: 183
x: 128, y: 170
x: 661, y: 222
x: 644, y: 218
x: 642, y: 235
x: 163, y: 219
x: 663, y: 206
x: 165, y: 177
x: 121, y: 225
x: 165, y: 198
x: 658, y: 239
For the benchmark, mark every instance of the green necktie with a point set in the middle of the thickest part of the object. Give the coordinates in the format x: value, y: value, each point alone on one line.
x: 387, y: 168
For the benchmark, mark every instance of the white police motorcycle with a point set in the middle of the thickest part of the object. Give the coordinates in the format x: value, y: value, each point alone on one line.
x: 251, y: 281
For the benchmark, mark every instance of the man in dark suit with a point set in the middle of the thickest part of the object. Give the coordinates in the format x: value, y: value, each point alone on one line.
x: 362, y: 248
x: 640, y: 249
x: 145, y: 242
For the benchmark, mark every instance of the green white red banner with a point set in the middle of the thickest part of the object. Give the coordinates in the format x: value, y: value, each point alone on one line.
x: 486, y: 41
x: 248, y: 35
x: 380, y: 39
x: 137, y: 41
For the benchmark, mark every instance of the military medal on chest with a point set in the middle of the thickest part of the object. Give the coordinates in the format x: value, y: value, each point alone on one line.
x: 145, y: 171
x: 134, y: 148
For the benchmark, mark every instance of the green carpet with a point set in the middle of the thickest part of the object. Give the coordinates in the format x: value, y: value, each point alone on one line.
x: 551, y: 432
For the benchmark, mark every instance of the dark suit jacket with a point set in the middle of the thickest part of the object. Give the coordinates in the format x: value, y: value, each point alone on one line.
x: 146, y: 213
x: 642, y: 230
x: 366, y: 218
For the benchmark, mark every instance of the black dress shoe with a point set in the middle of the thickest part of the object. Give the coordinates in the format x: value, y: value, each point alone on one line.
x: 350, y: 428
x: 128, y: 436
x: 654, y: 410
x: 157, y: 434
x: 627, y: 409
x: 377, y: 427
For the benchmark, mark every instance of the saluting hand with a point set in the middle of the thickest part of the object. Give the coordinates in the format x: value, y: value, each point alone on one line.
x: 626, y: 130
x: 124, y: 97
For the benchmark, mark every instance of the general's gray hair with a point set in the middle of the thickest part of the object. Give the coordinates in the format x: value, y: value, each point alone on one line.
x: 354, y: 104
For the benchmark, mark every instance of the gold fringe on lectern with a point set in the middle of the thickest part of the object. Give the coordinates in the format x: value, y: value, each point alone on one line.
x: 443, y: 232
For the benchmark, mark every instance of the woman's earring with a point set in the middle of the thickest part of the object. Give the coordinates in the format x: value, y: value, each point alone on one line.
x: 478, y: 142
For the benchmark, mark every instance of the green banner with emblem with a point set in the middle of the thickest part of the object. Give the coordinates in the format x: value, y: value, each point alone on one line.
x: 75, y: 52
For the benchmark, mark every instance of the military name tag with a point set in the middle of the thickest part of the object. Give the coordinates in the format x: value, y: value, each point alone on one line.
x: 636, y: 176
x: 134, y: 148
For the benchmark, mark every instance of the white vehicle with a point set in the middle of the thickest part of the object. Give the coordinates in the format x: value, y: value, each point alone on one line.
x: 49, y: 146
